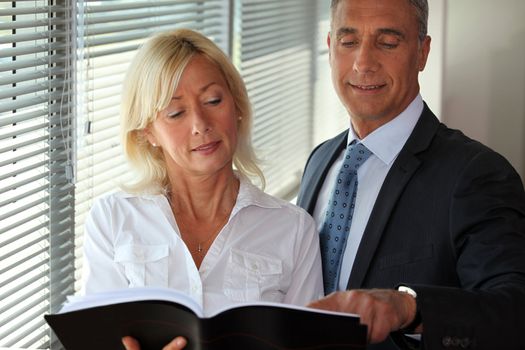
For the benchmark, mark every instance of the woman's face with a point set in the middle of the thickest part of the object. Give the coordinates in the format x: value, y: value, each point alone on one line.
x: 197, y: 131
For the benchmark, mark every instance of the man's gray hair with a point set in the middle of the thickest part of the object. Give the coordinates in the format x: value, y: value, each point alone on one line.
x: 420, y: 6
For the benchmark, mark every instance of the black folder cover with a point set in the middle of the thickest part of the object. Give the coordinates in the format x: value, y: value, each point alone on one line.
x: 260, y: 326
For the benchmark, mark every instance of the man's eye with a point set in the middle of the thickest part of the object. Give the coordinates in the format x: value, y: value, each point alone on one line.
x: 388, y: 45
x: 348, y: 43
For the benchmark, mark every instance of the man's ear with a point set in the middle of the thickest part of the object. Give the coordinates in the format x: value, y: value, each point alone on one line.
x: 328, y: 43
x: 423, y: 53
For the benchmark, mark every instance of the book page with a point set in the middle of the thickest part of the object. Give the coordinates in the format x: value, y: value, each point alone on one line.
x: 279, y: 305
x: 118, y: 296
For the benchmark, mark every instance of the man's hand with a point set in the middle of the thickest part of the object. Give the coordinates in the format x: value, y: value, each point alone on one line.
x: 176, y: 344
x: 382, y: 310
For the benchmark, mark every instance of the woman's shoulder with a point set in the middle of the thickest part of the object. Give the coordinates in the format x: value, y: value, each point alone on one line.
x: 114, y: 196
x: 269, y: 201
x: 120, y: 197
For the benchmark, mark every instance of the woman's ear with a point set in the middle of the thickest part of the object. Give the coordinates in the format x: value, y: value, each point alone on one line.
x: 148, y: 135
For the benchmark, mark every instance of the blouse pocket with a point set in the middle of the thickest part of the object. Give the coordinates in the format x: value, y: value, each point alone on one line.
x: 250, y: 277
x: 144, y: 265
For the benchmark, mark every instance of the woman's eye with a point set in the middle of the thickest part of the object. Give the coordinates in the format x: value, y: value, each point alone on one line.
x: 214, y: 101
x: 174, y: 114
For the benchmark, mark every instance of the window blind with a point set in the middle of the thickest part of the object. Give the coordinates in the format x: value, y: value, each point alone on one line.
x: 61, y: 67
x: 110, y: 31
x: 36, y: 191
x: 274, y: 51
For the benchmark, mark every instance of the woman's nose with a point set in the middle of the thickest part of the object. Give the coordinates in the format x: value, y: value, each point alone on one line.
x: 200, y: 122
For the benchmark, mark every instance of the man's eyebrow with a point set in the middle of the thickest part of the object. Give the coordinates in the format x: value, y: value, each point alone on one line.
x: 391, y: 31
x: 202, y: 89
x: 344, y: 31
x: 350, y: 30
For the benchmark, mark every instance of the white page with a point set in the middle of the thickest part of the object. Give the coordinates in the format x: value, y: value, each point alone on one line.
x: 280, y: 305
x: 117, y: 296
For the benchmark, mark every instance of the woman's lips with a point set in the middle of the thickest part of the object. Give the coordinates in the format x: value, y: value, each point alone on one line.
x: 207, y: 148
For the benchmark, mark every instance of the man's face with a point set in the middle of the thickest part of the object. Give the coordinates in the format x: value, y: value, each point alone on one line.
x: 376, y: 56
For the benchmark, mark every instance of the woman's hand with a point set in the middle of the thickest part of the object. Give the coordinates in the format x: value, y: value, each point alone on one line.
x: 176, y: 344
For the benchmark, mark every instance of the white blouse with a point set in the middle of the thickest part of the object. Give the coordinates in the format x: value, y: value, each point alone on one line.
x: 267, y: 251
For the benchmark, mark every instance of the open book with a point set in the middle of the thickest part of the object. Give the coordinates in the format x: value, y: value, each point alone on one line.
x: 154, y: 316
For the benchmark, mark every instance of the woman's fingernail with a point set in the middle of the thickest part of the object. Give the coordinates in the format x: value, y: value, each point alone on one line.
x: 180, y: 341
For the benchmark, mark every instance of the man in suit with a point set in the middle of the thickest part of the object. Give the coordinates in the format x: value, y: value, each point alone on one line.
x: 436, y: 213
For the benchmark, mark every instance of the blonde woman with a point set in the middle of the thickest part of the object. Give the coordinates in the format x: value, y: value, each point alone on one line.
x: 190, y: 221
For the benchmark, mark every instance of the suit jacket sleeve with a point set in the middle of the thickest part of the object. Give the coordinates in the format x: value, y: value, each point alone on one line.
x: 487, y: 232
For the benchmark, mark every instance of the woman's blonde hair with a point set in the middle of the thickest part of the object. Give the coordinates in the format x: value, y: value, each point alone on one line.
x: 148, y: 87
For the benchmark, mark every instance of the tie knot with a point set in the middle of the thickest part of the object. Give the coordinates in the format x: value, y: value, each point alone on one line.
x: 356, y: 154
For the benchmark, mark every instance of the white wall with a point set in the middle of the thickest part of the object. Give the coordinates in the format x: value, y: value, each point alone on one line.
x: 484, y: 75
x: 431, y: 79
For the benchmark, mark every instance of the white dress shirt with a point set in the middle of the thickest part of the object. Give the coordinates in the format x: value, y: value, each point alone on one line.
x: 267, y: 251
x: 385, y: 143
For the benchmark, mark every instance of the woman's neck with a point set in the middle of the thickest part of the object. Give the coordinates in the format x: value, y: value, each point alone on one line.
x: 204, y: 198
x: 202, y: 206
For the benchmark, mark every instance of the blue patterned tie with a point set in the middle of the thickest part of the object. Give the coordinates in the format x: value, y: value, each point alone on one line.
x: 339, y: 213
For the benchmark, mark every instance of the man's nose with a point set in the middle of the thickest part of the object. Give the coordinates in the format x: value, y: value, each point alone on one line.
x: 365, y: 60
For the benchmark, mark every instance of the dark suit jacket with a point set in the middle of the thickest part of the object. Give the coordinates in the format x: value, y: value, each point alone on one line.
x: 449, y: 221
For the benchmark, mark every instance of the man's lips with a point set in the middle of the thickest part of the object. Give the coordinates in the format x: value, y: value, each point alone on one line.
x: 207, y: 147
x: 368, y: 87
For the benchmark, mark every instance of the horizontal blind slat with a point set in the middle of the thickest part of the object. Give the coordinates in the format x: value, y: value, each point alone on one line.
x: 7, y: 106
x: 25, y: 89
x: 45, y: 22
x: 91, y: 20
x: 31, y: 49
x: 18, y: 145
x: 17, y: 11
x: 46, y: 60
x: 18, y: 38
x: 139, y: 33
x: 42, y: 110
x: 109, y: 7
x: 34, y: 74
x: 139, y: 25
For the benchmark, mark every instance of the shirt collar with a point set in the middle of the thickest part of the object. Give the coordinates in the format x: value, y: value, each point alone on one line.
x: 249, y: 195
x: 387, y: 141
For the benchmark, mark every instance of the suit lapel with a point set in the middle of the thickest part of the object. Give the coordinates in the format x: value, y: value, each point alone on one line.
x: 395, y: 182
x: 316, y: 169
